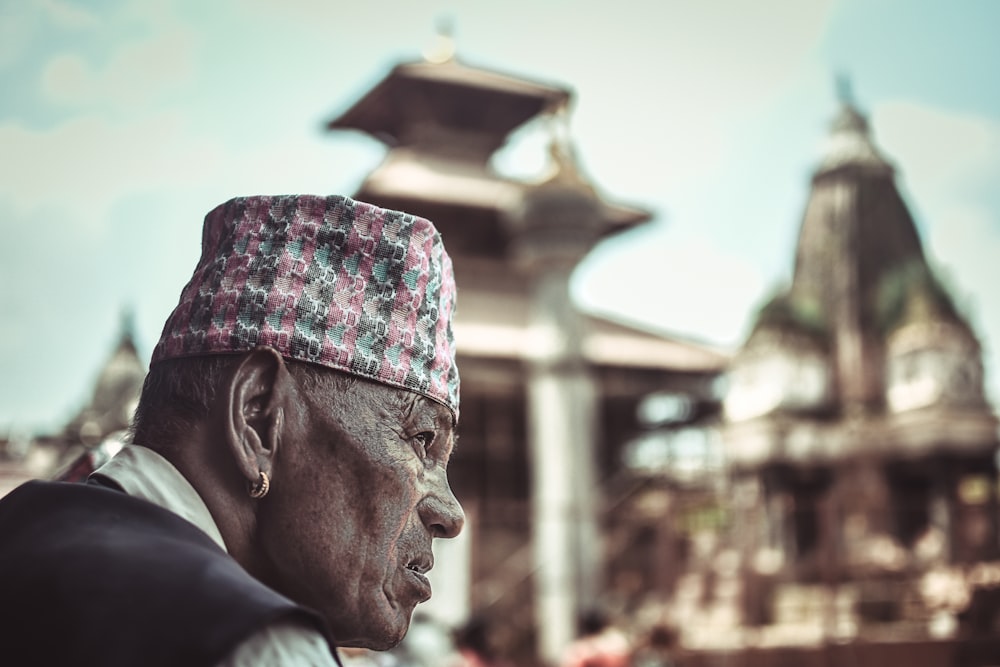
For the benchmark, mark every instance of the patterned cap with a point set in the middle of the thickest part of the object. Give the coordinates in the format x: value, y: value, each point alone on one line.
x: 327, y: 280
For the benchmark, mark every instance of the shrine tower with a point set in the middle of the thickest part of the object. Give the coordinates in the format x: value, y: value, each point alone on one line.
x: 549, y: 394
x: 861, y: 444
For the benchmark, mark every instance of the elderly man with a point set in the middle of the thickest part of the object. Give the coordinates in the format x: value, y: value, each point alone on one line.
x: 288, y: 472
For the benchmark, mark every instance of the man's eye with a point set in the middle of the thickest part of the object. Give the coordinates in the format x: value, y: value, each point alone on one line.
x: 423, y: 441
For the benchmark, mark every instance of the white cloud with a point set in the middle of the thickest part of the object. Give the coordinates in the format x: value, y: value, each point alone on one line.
x: 22, y: 23
x: 693, y: 77
x: 17, y: 28
x: 68, y: 79
x: 68, y: 15
x: 937, y: 152
x: 88, y: 163
x: 686, y: 285
x: 141, y: 72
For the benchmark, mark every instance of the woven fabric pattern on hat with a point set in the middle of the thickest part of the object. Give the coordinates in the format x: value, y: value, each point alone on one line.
x: 323, y: 279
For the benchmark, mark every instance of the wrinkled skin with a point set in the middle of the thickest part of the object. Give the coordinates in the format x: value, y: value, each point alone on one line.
x: 360, y: 490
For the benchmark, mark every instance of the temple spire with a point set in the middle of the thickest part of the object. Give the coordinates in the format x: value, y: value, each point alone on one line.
x: 845, y: 92
x: 850, y: 143
x: 127, y: 327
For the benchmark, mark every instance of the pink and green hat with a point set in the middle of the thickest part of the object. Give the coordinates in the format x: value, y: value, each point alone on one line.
x: 327, y: 280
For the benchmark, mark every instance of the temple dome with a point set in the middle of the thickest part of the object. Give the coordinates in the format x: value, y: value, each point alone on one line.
x: 932, y: 356
x: 783, y: 366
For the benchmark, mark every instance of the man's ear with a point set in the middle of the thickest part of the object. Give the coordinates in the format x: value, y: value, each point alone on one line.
x: 254, y: 403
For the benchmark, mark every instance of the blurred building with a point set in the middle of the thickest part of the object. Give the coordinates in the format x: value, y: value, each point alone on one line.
x: 861, y: 450
x: 549, y: 394
x: 94, y: 434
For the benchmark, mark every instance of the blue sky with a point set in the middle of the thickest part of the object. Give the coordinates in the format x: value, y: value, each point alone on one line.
x: 122, y: 123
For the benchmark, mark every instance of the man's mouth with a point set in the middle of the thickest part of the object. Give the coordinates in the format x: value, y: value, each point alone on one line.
x: 421, y: 564
x: 417, y: 569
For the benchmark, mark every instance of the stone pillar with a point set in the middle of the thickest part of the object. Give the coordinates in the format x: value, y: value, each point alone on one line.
x: 561, y: 431
x: 556, y: 226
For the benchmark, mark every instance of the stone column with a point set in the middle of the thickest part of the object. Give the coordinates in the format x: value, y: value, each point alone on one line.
x: 557, y: 225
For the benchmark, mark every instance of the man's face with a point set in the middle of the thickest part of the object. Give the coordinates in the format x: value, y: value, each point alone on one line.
x: 359, y: 491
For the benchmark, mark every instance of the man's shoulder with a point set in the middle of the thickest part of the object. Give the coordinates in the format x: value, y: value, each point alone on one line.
x: 75, y: 554
x: 57, y: 534
x: 92, y: 517
x: 59, y: 496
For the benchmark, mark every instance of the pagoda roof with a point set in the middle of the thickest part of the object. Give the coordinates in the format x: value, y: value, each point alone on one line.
x: 414, y: 178
x: 425, y: 184
x: 496, y: 324
x: 605, y: 343
x: 447, y: 94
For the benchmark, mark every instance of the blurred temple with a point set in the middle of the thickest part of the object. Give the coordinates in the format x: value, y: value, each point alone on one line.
x: 844, y: 492
x: 862, y: 453
x: 92, y: 435
x: 833, y: 501
x: 549, y: 394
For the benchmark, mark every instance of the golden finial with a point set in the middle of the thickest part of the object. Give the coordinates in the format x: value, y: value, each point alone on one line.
x: 561, y: 150
x: 443, y: 48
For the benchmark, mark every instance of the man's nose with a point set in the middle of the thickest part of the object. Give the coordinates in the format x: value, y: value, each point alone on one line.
x: 440, y: 511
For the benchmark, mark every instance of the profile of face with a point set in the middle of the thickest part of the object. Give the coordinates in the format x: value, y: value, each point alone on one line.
x: 359, y: 492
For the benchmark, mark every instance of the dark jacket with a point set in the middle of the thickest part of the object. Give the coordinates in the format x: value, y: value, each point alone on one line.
x: 92, y: 576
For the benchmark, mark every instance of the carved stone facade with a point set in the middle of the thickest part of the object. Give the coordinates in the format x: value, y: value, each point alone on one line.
x: 862, y: 450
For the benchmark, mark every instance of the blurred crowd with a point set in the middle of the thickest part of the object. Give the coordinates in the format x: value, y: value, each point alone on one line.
x: 599, y: 644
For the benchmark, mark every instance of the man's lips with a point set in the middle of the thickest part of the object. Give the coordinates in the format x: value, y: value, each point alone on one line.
x: 416, y: 571
x: 421, y: 563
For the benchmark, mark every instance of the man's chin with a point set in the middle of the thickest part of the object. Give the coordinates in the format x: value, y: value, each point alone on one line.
x: 382, y: 634
x: 383, y: 643
x: 380, y: 643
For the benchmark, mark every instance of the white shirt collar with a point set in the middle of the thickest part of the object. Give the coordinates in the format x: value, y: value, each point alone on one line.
x: 143, y: 473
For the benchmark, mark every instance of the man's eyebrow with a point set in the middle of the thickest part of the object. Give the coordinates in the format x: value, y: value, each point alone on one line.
x: 409, y: 402
x: 417, y: 406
